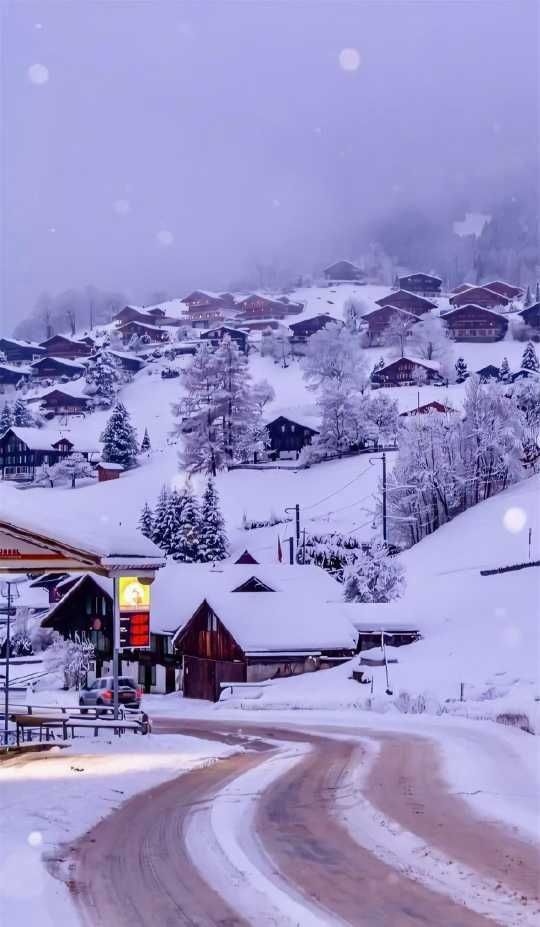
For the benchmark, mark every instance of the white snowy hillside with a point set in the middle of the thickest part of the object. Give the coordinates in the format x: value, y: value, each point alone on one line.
x: 482, y: 631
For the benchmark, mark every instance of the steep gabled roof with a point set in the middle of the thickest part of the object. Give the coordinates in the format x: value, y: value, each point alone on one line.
x: 483, y: 309
x: 414, y: 299
x: 64, y: 361
x: 475, y: 292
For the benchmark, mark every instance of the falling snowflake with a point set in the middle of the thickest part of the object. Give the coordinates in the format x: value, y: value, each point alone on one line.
x: 165, y: 237
x: 35, y: 838
x: 515, y: 519
x: 38, y: 74
x: 349, y: 59
x: 121, y: 207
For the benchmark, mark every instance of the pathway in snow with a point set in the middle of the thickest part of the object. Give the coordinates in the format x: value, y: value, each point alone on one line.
x: 319, y: 827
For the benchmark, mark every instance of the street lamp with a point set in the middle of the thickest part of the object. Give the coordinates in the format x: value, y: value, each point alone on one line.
x: 9, y: 590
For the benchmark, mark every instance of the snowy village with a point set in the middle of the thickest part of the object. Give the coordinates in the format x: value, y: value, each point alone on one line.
x: 270, y: 550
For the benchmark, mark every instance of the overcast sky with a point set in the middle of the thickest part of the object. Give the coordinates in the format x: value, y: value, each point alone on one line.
x: 158, y: 145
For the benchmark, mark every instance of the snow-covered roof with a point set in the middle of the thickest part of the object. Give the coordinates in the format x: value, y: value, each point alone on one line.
x: 371, y: 312
x: 104, y: 465
x: 103, y: 582
x: 75, y: 365
x: 494, y: 312
x: 277, y: 622
x: 22, y: 344
x: 145, y: 325
x: 431, y: 365
x: 76, y: 389
x: 419, y: 273
x: 38, y: 439
x: 67, y: 338
x: 398, y: 615
x: 180, y: 588
x: 11, y: 368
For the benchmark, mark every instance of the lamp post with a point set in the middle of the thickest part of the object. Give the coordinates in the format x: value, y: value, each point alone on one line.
x: 8, y: 591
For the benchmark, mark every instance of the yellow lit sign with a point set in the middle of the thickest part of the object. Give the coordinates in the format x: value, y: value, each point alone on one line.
x: 133, y: 595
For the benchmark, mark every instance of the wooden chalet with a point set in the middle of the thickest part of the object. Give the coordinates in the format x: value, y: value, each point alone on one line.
x: 427, y: 408
x: 424, y: 284
x: 60, y: 401
x: 64, y: 347
x: 462, y: 287
x: 10, y: 375
x: 252, y: 623
x: 344, y: 272
x: 204, y: 317
x: 84, y: 606
x: 531, y: 315
x: 263, y: 307
x: 303, y: 330
x: 478, y: 296
x: 199, y: 299
x: 132, y: 314
x: 17, y: 352
x: 51, y: 368
x: 411, y: 302
x: 406, y: 371
x: 125, y: 361
x: 88, y: 340
x: 504, y: 289
x: 524, y: 374
x: 143, y: 330
x: 216, y: 335
x: 23, y: 450
x: 378, y: 321
x: 287, y: 436
x: 475, y: 323
x: 489, y: 373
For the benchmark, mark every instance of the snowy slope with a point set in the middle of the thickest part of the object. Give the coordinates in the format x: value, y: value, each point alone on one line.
x: 482, y: 631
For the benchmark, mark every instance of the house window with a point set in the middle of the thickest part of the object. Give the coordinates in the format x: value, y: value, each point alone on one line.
x: 211, y: 622
x: 283, y: 429
x: 293, y: 428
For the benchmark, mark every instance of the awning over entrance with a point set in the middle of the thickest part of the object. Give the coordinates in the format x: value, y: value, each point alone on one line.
x: 27, y: 547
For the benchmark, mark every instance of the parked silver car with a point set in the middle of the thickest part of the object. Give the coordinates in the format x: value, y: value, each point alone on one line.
x: 101, y: 693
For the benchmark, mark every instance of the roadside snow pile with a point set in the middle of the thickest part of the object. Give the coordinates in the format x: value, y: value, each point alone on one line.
x: 479, y: 654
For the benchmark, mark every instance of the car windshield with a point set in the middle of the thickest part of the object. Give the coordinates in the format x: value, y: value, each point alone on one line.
x: 125, y: 681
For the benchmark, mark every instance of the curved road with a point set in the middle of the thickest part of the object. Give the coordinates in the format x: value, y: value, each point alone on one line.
x: 137, y: 866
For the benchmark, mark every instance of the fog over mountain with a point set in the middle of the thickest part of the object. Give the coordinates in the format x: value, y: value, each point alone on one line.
x: 158, y: 146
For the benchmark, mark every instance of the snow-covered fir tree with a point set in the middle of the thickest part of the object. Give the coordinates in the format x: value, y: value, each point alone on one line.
x: 461, y: 370
x: 374, y: 577
x: 378, y: 366
x: 537, y: 292
x: 213, y: 539
x: 22, y: 417
x: 529, y: 361
x: 188, y: 539
x: 146, y: 521
x: 528, y: 297
x: 145, y: 443
x: 102, y: 378
x: 198, y: 415
x: 160, y: 526
x: 173, y: 526
x: 6, y: 418
x: 504, y: 371
x: 119, y: 438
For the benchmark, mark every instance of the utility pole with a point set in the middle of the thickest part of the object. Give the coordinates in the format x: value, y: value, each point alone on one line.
x: 296, y: 510
x: 8, y: 654
x: 291, y: 551
x: 116, y: 643
x: 384, y: 497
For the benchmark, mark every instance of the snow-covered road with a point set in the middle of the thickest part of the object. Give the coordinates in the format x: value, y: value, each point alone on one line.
x: 315, y: 826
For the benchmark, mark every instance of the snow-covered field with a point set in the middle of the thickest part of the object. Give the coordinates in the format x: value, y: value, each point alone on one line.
x: 50, y: 800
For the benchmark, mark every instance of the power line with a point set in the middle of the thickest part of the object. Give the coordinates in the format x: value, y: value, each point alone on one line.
x: 306, y: 508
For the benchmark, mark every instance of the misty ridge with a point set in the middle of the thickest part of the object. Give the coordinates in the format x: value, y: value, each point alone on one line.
x: 156, y: 148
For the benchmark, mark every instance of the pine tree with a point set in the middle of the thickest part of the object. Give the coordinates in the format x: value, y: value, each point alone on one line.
x: 188, y: 549
x: 504, y: 371
x: 537, y: 292
x: 174, y: 523
x: 528, y: 298
x: 213, y: 539
x: 119, y: 438
x: 461, y: 370
x: 6, y: 418
x: 374, y: 577
x: 103, y: 379
x: 146, y: 521
x: 22, y: 417
x: 145, y: 444
x: 529, y: 361
x: 160, y: 520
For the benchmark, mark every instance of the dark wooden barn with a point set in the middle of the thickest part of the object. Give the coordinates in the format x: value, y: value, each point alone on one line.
x: 61, y: 402
x: 488, y: 374
x: 478, y: 296
x: 84, y: 606
x: 411, y: 302
x: 424, y: 284
x: 531, y: 315
x: 23, y: 450
x: 133, y: 314
x: 216, y: 335
x: 475, y: 323
x: 51, y: 368
x: 344, y: 271
x: 199, y: 299
x: 62, y: 346
x: 143, y: 330
x: 263, y: 307
x: 20, y: 351
x: 406, y: 371
x: 377, y: 322
x: 504, y: 289
x: 129, y: 362
x: 10, y: 376
x: 288, y: 436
